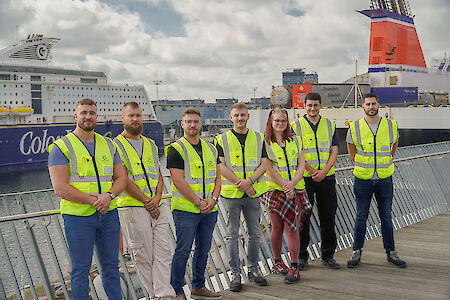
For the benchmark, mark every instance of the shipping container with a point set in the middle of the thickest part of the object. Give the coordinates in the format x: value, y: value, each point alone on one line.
x: 397, y: 96
x: 299, y: 92
x: 335, y: 94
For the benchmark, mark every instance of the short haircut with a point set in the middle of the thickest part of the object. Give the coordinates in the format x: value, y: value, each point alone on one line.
x: 313, y: 96
x: 191, y: 111
x: 131, y: 104
x: 370, y: 95
x: 86, y: 101
x: 238, y: 105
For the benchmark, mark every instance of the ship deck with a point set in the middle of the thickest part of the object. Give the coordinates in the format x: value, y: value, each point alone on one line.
x: 425, y: 246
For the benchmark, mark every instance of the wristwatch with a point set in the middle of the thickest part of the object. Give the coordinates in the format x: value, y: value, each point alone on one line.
x: 112, y: 195
x: 216, y: 199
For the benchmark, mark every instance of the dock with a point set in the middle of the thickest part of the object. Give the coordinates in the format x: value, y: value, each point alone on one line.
x: 425, y: 247
x: 35, y: 258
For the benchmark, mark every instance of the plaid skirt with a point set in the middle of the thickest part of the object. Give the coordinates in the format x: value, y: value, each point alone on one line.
x: 292, y: 211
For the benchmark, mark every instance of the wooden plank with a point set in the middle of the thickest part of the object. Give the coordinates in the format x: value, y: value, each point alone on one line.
x: 425, y: 247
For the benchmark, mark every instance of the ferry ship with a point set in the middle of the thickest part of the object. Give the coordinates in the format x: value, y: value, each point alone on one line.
x: 411, y: 93
x: 37, y: 103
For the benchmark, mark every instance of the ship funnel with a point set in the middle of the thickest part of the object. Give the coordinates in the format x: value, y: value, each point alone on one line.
x: 393, y: 36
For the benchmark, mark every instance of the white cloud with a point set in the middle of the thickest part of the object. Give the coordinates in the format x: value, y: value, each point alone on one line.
x: 229, y: 47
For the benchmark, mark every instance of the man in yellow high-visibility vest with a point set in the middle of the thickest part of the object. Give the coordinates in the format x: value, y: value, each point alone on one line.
x: 144, y: 222
x: 243, y: 162
x: 194, y: 166
x: 320, y: 149
x: 87, y: 173
x: 372, y: 143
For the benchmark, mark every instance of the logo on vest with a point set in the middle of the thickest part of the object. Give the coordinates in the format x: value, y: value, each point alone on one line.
x: 104, y: 157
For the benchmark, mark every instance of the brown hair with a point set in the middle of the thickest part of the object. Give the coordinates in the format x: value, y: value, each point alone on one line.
x: 191, y: 111
x: 370, y: 95
x: 238, y: 105
x: 131, y: 104
x: 269, y: 134
x: 86, y: 101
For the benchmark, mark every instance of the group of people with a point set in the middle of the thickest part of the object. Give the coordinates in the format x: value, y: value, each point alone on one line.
x: 288, y: 168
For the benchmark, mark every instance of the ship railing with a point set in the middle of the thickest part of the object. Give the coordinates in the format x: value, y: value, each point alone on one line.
x: 36, y: 262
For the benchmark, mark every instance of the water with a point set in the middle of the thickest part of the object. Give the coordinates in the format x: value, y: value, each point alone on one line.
x: 24, y: 181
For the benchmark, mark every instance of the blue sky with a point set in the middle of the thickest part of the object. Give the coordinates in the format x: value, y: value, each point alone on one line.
x: 212, y: 48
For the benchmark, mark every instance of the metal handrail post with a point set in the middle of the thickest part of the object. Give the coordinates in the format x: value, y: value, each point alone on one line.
x: 35, y: 248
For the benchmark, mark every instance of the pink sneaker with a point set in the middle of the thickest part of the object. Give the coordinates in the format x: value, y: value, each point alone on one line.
x: 292, y: 276
x: 280, y: 268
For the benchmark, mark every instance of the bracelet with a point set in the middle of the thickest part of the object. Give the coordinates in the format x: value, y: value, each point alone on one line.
x: 200, y: 204
x: 111, y: 194
x: 251, y: 179
x: 216, y: 199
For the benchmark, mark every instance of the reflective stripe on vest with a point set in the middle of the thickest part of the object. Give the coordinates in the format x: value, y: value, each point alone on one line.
x: 316, y: 145
x: 373, y: 152
x: 278, y: 158
x: 199, y: 173
x: 136, y: 166
x: 242, y: 162
x: 89, y: 174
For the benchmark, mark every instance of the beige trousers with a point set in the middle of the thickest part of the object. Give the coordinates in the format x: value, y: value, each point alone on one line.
x: 148, y: 242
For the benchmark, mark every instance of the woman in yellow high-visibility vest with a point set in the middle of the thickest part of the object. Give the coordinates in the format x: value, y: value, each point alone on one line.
x: 286, y: 196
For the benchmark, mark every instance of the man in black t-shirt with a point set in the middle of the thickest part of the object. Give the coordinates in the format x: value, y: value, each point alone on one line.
x: 194, y: 167
x: 243, y: 162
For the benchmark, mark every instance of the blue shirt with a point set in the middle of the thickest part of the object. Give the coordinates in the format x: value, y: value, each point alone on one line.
x: 56, y: 157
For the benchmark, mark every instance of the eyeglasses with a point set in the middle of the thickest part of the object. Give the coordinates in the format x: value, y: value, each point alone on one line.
x: 280, y: 121
x: 192, y: 121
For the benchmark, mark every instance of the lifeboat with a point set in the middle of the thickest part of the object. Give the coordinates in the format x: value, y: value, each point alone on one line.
x: 21, y: 111
x: 4, y: 111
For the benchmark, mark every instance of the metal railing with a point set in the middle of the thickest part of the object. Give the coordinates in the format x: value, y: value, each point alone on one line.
x: 35, y: 259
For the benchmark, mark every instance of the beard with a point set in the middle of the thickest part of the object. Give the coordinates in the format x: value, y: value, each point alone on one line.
x: 371, y: 113
x: 133, y: 130
x: 192, y: 132
x: 87, y: 127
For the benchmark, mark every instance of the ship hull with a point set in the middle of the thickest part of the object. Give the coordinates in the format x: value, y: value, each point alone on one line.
x: 416, y: 125
x: 24, y: 146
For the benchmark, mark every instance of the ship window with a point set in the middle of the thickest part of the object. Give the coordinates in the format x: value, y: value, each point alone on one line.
x: 22, y: 102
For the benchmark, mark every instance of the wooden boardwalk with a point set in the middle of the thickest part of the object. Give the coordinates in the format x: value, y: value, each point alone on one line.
x: 424, y: 246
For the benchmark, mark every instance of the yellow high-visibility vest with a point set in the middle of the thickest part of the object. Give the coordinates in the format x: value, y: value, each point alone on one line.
x: 90, y: 175
x: 143, y: 171
x: 316, y: 145
x: 199, y: 173
x: 242, y: 161
x: 285, y: 163
x: 373, y: 152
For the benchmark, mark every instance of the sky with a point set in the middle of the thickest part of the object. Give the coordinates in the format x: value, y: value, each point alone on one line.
x: 212, y: 49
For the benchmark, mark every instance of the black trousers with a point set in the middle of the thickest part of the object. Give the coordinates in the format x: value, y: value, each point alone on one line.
x: 324, y: 194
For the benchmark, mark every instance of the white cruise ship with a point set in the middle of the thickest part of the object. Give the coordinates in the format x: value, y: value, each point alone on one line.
x: 37, y: 103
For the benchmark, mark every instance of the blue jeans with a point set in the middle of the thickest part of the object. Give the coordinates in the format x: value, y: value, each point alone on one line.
x: 383, y: 189
x: 82, y: 233
x: 190, y: 226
